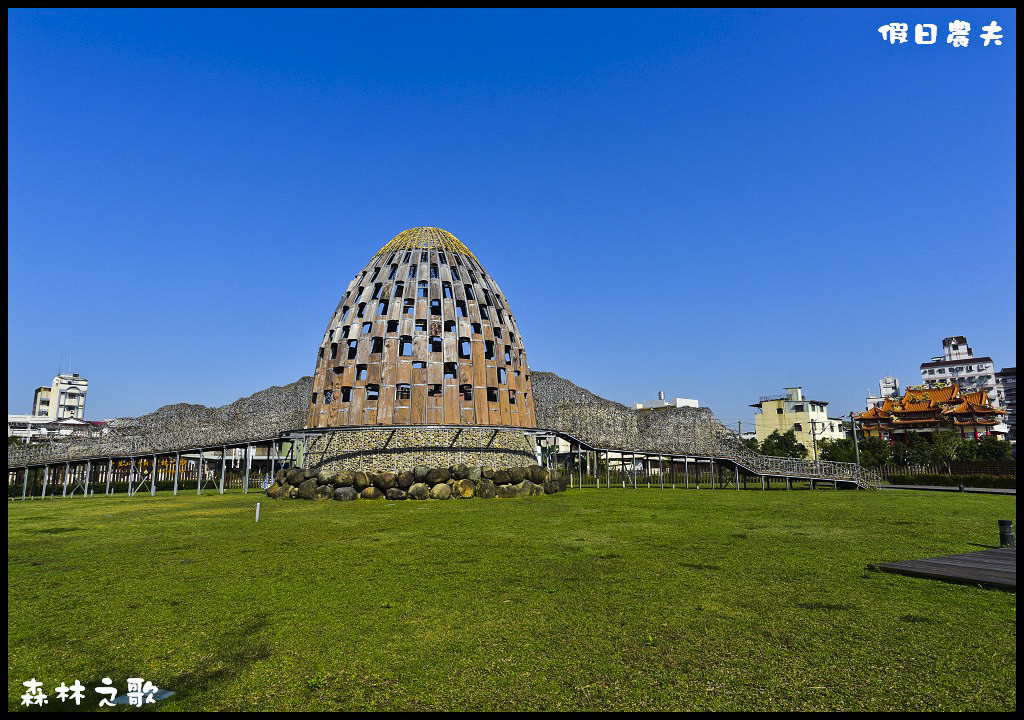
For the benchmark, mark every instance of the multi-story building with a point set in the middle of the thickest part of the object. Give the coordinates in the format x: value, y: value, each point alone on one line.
x: 64, y: 399
x: 887, y: 387
x: 957, y: 364
x: 808, y: 419
x: 1006, y: 398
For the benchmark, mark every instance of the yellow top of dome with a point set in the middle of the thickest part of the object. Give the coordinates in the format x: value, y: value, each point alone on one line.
x: 426, y: 237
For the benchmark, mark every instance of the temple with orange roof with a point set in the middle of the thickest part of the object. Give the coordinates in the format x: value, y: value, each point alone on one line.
x: 924, y: 409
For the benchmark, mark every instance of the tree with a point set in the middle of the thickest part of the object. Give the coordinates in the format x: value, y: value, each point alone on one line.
x: 784, y: 445
x: 874, y: 452
x: 967, y: 450
x: 991, y: 447
x: 945, y: 447
x: 837, y: 450
x: 751, y: 444
x: 914, y: 450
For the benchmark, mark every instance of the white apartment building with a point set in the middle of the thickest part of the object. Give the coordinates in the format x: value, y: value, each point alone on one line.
x: 888, y: 386
x: 1006, y: 393
x: 64, y: 399
x: 958, y: 364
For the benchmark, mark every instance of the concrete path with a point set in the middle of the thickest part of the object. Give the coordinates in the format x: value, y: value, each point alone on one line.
x: 945, y: 488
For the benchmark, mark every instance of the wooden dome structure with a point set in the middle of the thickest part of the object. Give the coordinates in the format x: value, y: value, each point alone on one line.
x: 422, y: 336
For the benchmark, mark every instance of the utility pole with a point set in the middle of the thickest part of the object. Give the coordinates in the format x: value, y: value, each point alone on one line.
x: 856, y: 447
x: 814, y: 441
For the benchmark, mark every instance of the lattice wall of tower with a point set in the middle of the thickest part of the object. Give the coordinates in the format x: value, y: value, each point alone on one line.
x: 422, y: 336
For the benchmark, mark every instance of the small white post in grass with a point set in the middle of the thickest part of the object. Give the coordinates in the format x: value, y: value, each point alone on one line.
x: 257, y: 512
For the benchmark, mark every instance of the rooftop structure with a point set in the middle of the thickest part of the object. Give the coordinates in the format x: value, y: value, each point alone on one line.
x: 662, y: 402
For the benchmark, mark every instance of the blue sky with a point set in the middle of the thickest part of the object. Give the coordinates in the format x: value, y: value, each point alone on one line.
x: 716, y: 204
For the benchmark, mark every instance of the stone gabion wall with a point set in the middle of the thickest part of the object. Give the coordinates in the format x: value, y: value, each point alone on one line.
x: 559, y: 404
x: 404, y: 448
x: 182, y: 426
x: 567, y: 407
x: 421, y: 483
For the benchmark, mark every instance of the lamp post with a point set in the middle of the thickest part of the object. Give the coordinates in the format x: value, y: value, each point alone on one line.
x: 856, y: 447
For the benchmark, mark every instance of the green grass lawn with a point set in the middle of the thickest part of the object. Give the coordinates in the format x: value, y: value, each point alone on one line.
x: 600, y: 600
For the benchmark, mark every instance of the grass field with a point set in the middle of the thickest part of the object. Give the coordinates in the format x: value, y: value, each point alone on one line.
x: 600, y: 600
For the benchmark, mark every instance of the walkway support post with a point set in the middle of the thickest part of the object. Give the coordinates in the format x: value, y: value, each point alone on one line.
x: 67, y: 469
x: 177, y: 469
x: 110, y: 471
x: 24, y: 484
x: 46, y: 476
x: 248, y: 460
x: 223, y: 466
x: 88, y: 472
x: 579, y: 463
x: 272, y: 458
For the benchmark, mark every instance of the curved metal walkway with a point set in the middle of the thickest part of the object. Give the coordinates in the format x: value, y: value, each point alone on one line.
x: 763, y: 467
x: 197, y: 467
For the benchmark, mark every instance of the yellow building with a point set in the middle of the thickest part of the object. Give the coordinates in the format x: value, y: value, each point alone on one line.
x: 808, y: 419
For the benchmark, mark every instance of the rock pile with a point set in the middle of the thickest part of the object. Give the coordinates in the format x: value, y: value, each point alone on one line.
x: 421, y: 483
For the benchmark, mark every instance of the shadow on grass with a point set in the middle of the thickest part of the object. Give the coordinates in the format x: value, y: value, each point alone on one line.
x: 911, y: 618
x: 235, y: 650
x: 824, y: 606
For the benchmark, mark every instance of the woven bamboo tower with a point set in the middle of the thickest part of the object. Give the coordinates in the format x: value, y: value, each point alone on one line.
x: 422, y: 336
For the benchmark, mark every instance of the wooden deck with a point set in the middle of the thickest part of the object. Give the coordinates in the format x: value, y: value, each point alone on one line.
x: 995, y: 568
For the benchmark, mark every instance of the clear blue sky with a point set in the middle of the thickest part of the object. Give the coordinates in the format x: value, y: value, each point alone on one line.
x: 713, y: 203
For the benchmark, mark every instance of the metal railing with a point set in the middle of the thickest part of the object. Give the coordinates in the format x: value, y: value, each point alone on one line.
x: 756, y: 464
